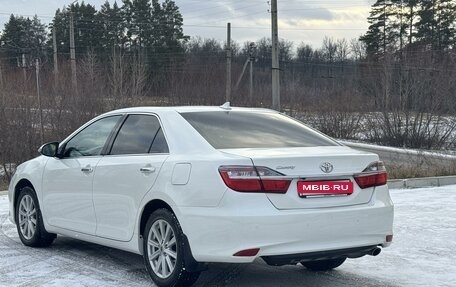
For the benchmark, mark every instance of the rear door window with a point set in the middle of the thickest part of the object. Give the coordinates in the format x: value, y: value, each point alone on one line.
x: 140, y: 134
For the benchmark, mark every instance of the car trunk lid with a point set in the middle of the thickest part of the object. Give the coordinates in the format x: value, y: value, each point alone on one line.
x: 307, y: 164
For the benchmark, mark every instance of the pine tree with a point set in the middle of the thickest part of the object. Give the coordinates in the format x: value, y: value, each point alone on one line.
x: 411, y: 16
x: 399, y: 24
x: 23, y: 36
x: 87, y: 25
x: 382, y: 34
x: 447, y: 21
x: 61, y: 25
x: 137, y: 16
x: 113, y: 26
x: 169, y: 34
x: 427, y: 25
x: 436, y: 27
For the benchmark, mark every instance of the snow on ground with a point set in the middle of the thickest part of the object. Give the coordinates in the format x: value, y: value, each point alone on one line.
x: 423, y: 254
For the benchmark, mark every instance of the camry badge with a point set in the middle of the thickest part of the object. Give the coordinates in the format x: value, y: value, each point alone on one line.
x: 326, y: 167
x: 286, y: 167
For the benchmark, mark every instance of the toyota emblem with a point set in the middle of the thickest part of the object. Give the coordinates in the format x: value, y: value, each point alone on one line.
x: 326, y: 167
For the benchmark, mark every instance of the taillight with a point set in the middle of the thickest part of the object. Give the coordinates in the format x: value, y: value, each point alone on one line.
x: 254, y: 179
x: 374, y: 175
x: 241, y: 178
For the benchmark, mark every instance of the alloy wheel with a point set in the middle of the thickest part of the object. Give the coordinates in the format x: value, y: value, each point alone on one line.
x: 162, y: 248
x: 27, y: 217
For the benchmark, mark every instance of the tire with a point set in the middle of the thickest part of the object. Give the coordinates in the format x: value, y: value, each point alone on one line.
x: 164, y: 257
x: 323, y: 265
x: 29, y: 221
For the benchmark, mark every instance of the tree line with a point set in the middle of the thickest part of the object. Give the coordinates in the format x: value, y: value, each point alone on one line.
x: 399, y: 96
x: 398, y: 25
x: 150, y: 25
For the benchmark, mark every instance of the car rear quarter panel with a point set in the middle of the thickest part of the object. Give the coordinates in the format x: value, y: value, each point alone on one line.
x: 204, y: 188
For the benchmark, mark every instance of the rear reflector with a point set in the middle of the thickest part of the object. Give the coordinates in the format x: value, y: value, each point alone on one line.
x: 270, y: 185
x: 389, y: 238
x: 254, y: 179
x: 247, y: 252
x: 374, y: 175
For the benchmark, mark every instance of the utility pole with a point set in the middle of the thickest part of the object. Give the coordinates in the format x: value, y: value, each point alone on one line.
x: 24, y: 66
x: 228, y: 63
x: 252, y: 52
x: 56, y: 63
x: 37, y: 72
x: 24, y: 74
x: 275, y: 58
x: 242, y: 74
x: 72, y: 52
x: 251, y: 82
x: 250, y: 59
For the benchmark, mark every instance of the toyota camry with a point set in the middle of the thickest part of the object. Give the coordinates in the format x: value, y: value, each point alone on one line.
x: 187, y: 186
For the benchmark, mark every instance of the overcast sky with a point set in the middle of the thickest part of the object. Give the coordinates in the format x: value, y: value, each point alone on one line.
x: 299, y: 20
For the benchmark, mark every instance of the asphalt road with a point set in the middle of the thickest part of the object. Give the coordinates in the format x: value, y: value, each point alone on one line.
x: 422, y: 255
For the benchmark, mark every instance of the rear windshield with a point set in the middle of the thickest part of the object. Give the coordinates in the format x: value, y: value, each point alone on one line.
x: 238, y: 129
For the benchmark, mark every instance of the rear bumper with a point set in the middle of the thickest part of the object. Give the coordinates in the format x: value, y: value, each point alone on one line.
x: 246, y: 221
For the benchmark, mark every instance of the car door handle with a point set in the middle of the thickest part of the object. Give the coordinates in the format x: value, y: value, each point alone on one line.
x: 147, y: 169
x: 87, y: 169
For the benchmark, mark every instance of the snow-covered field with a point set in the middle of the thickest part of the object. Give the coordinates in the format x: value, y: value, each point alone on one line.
x: 423, y: 254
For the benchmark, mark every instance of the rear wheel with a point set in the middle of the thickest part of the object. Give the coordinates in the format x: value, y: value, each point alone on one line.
x: 29, y: 221
x: 163, y: 251
x: 323, y: 265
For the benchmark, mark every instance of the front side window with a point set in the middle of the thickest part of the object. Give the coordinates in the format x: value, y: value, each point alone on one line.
x: 91, y: 140
x: 140, y: 134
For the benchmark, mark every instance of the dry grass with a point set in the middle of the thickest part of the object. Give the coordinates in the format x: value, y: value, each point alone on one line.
x: 401, y: 172
x: 3, y: 184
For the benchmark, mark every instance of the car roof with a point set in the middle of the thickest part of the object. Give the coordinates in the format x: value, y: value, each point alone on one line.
x: 187, y: 109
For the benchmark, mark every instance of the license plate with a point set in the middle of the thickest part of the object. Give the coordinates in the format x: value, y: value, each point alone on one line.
x: 324, y: 188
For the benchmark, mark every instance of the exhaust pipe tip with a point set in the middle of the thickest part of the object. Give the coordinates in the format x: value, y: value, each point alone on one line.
x: 376, y: 251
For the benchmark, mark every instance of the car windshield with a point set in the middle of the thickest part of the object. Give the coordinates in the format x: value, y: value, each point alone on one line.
x: 241, y: 129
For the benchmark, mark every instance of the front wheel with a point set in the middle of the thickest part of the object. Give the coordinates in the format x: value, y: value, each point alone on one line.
x: 29, y: 220
x: 163, y: 251
x: 323, y: 265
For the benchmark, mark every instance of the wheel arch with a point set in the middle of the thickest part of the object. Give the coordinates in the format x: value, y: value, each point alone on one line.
x: 191, y: 264
x: 19, y: 186
x: 148, y: 209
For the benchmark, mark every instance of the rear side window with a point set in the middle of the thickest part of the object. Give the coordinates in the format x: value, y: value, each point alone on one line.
x: 238, y: 129
x: 139, y: 134
x: 159, y: 145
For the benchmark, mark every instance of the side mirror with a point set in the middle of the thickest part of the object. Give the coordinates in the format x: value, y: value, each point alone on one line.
x: 49, y: 149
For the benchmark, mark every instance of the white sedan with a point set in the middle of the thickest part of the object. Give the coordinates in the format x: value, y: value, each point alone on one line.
x: 184, y: 186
